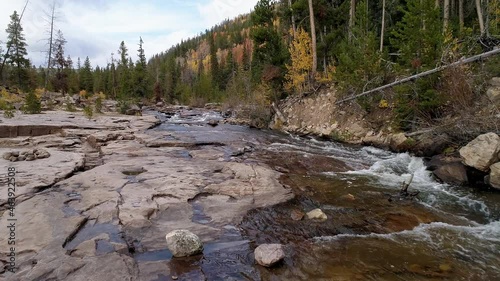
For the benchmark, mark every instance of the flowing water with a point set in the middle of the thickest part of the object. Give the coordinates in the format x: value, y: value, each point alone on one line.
x: 446, y: 233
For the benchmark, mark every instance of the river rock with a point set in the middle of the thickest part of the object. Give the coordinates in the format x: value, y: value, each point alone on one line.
x: 184, y: 243
x: 213, y: 123
x: 448, y: 169
x: 495, y: 176
x: 482, y: 152
x: 297, y: 215
x: 317, y: 214
x: 269, y: 254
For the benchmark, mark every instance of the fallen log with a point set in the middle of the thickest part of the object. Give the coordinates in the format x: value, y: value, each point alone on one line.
x: 423, y: 74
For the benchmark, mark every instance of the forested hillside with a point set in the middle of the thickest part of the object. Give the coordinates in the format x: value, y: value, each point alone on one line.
x: 293, y: 48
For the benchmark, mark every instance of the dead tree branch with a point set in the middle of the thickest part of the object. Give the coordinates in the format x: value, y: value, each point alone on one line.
x: 423, y: 74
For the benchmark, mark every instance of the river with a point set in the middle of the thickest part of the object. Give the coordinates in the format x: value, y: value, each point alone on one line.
x: 446, y: 233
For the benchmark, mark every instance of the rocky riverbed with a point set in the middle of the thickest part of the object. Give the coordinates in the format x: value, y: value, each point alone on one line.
x: 112, y: 189
x: 99, y: 207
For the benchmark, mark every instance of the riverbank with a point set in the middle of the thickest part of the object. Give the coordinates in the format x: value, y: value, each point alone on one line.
x: 439, y: 141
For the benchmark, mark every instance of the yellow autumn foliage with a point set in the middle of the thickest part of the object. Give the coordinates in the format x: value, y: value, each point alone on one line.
x: 302, y: 60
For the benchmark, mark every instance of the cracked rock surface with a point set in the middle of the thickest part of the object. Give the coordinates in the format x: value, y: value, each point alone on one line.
x: 113, y: 188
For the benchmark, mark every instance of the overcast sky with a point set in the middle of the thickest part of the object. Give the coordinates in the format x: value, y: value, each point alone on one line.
x: 95, y: 28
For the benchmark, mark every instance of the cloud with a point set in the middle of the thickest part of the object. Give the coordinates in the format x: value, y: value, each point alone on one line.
x: 95, y: 28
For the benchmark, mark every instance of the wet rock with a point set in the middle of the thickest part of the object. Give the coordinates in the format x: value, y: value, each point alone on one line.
x: 213, y: 123
x: 494, y: 179
x: 297, y: 215
x: 448, y: 169
x: 269, y: 254
x: 184, y: 243
x: 482, y: 152
x: 349, y: 197
x: 397, y: 142
x: 454, y: 173
x: 317, y: 214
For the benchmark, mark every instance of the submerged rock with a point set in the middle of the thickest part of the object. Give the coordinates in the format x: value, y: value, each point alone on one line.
x: 482, y: 152
x: 184, y: 243
x: 317, y: 214
x: 269, y: 254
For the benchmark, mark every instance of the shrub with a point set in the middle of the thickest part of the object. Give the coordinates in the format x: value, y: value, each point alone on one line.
x: 33, y: 104
x: 88, y: 111
x: 123, y: 106
x: 8, y: 112
x: 98, y: 105
x: 69, y: 106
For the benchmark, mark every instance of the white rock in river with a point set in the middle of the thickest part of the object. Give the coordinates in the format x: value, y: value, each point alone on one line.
x: 183, y: 243
x: 269, y: 254
x: 317, y: 214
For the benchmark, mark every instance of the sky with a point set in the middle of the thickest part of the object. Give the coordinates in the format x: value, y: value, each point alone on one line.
x: 95, y: 28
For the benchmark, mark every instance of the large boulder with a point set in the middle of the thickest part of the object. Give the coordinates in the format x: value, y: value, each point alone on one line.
x: 482, y: 152
x: 269, y: 254
x: 184, y: 243
x: 495, y: 176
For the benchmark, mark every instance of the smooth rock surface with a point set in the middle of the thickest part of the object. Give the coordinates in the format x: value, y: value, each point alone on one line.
x: 269, y: 254
x: 482, y: 152
x: 184, y: 243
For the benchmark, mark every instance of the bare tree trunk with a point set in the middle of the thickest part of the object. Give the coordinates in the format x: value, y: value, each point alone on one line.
x: 383, y: 27
x: 8, y: 49
x: 446, y: 16
x: 480, y: 17
x: 352, y: 13
x: 49, y: 61
x: 423, y: 74
x: 313, y: 35
x: 437, y: 4
x: 461, y: 14
x: 294, y: 28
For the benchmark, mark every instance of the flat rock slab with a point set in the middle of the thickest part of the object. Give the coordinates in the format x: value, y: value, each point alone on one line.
x: 87, y: 225
x: 35, y: 175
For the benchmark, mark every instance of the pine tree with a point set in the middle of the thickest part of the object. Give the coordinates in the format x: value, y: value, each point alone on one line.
x: 86, y: 78
x: 124, y: 72
x: 419, y: 35
x: 140, y: 73
x: 214, y: 63
x: 16, y: 57
x: 60, y: 80
x: 270, y: 53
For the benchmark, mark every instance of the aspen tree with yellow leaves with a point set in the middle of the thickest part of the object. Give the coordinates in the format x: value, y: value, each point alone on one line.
x: 301, y: 62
